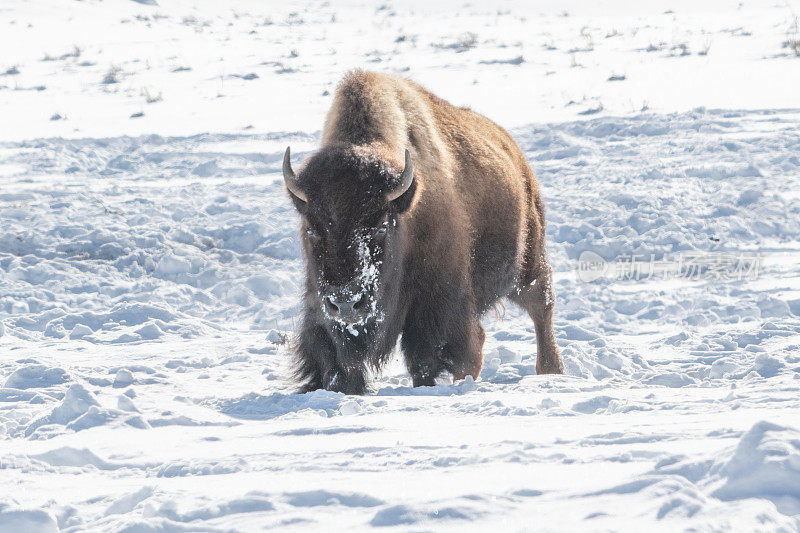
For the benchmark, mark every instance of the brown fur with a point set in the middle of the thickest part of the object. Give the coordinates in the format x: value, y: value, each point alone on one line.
x: 469, y: 232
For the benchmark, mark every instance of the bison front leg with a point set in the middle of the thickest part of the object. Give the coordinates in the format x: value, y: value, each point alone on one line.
x: 315, y: 357
x: 319, y: 366
x: 465, y: 353
x: 456, y: 348
x: 422, y: 354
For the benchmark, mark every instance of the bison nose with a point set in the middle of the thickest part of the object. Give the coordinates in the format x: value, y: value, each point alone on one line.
x: 344, y: 307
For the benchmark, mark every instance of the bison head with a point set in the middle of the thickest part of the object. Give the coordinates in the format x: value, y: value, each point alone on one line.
x: 350, y: 199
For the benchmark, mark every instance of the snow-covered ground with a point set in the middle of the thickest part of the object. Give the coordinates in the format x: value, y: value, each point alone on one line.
x: 150, y: 271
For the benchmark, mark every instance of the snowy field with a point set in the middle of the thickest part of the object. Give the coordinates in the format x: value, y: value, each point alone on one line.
x: 150, y: 271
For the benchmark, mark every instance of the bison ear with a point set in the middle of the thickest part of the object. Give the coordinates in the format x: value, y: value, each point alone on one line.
x: 401, y: 198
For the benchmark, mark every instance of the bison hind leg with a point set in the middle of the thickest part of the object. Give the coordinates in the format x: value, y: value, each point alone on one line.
x: 536, y: 297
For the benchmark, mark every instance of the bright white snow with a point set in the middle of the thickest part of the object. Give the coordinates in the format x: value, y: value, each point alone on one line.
x: 150, y: 271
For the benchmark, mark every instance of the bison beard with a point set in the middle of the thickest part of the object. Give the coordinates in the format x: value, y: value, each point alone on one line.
x: 417, y: 217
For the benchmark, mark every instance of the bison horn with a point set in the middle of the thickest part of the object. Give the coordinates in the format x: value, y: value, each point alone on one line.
x: 290, y: 179
x: 406, y: 178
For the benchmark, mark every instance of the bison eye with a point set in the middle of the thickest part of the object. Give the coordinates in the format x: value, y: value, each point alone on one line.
x: 380, y: 233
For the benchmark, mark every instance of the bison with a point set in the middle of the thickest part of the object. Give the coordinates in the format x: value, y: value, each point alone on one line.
x: 417, y: 217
